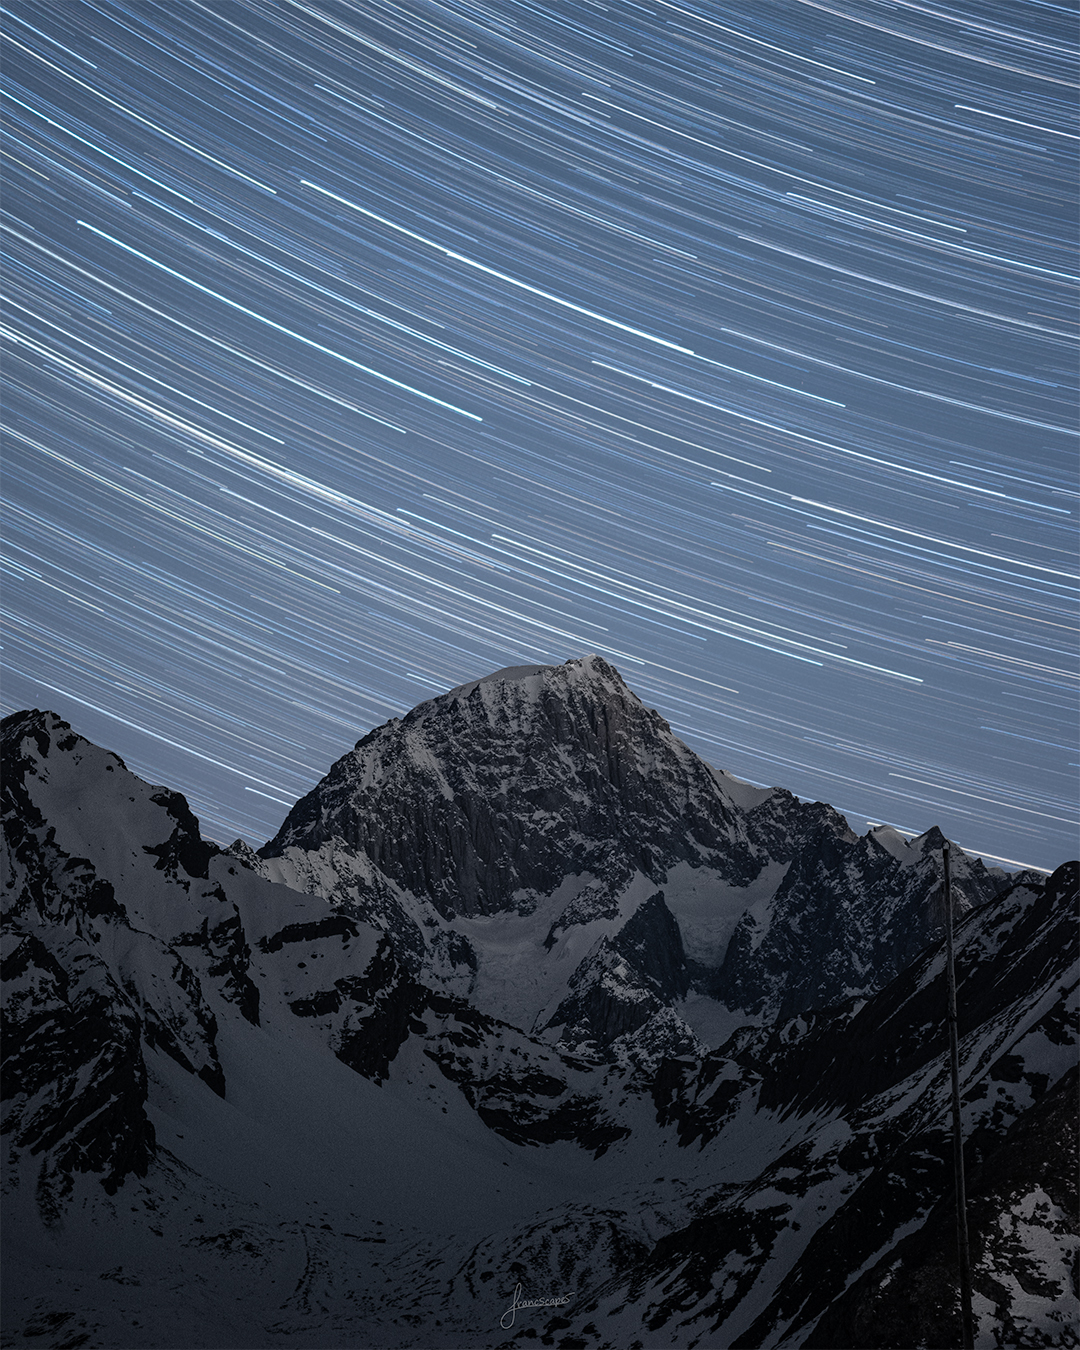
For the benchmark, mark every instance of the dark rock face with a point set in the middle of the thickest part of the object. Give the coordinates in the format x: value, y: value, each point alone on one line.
x: 79, y: 1008
x: 334, y: 925
x: 518, y: 1088
x: 185, y: 849
x: 1023, y: 1227
x: 508, y: 786
x: 625, y: 981
x: 74, y: 1077
x: 845, y: 920
x: 383, y: 1008
x: 1010, y: 946
x: 226, y: 947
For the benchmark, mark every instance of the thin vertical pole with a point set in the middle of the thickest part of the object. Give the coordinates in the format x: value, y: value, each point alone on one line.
x: 962, y: 1249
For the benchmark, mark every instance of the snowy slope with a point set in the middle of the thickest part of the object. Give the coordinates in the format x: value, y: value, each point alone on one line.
x: 125, y: 934
x: 859, y: 1187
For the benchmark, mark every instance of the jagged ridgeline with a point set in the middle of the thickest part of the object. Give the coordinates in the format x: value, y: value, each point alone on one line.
x: 523, y: 1000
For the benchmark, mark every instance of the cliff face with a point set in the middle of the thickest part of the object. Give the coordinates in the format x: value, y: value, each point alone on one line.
x: 1024, y: 1236
x: 488, y: 797
x: 80, y: 962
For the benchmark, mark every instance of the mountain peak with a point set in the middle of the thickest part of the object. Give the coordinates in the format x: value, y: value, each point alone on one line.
x: 31, y: 735
x: 583, y: 671
x: 36, y: 722
x: 508, y: 674
x: 513, y: 782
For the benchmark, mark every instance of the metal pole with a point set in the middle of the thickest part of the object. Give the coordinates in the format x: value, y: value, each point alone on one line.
x: 962, y: 1249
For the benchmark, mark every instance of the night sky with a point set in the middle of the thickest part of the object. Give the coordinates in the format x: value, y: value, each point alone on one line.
x: 355, y: 350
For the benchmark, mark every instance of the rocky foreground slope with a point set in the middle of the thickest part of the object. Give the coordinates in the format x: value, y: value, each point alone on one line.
x: 524, y: 1000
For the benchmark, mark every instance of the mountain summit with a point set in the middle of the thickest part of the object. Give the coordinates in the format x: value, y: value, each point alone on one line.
x: 503, y: 787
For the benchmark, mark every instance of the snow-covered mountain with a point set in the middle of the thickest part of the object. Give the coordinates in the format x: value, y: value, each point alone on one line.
x: 523, y: 1002
x: 541, y: 842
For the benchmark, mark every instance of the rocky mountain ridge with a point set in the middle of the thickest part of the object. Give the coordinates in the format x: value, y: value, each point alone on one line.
x: 292, y: 1081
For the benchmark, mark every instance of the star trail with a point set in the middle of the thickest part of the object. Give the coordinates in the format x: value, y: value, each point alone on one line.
x: 354, y: 350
